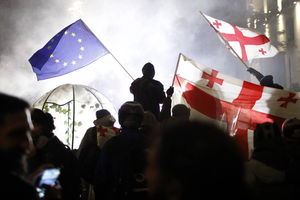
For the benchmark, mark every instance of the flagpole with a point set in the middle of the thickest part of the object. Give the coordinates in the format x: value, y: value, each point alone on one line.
x: 176, y: 68
x: 109, y: 52
x: 120, y: 64
x: 227, y: 43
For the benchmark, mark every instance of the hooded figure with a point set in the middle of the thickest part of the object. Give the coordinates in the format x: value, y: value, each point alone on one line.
x: 101, y: 132
x: 105, y: 128
x: 147, y: 91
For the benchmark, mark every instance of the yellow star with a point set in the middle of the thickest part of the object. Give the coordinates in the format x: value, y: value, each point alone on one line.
x: 52, y: 40
x: 49, y: 47
x: 73, y: 34
x: 66, y: 32
x: 79, y: 40
x: 51, y: 56
x: 65, y: 64
x: 80, y: 56
x: 57, y: 61
x: 73, y: 62
x: 82, y: 48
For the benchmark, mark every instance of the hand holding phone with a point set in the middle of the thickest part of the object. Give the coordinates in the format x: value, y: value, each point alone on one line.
x: 48, y: 178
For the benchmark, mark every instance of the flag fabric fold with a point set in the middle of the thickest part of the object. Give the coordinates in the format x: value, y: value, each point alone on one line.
x: 242, y: 42
x: 233, y: 104
x: 72, y: 48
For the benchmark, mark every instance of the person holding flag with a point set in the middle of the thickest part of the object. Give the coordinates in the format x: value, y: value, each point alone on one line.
x: 264, y: 80
x: 236, y: 105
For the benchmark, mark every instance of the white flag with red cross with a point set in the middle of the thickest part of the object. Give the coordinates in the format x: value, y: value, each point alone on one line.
x: 236, y: 105
x: 247, y: 44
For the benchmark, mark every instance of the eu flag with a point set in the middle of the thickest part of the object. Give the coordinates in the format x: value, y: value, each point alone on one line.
x: 72, y: 48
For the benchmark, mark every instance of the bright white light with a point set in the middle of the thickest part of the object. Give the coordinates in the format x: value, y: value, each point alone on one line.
x: 265, y: 6
x: 279, y: 5
x: 75, y: 8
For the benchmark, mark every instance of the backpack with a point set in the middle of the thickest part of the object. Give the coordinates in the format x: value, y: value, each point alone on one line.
x: 123, y: 161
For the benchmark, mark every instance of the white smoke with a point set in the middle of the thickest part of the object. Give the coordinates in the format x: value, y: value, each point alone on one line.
x: 135, y: 32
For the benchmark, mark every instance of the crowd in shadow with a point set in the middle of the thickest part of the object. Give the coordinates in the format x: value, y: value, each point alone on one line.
x: 157, y: 154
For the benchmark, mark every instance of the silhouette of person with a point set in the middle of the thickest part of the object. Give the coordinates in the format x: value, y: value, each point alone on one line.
x: 15, y: 143
x: 100, y: 133
x: 265, y: 171
x: 147, y: 91
x: 264, y: 80
x: 51, y: 150
x: 91, y: 145
x: 195, y: 160
x: 291, y: 135
x: 119, y: 172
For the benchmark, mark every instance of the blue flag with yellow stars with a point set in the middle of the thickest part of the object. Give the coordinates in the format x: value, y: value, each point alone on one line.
x: 72, y: 48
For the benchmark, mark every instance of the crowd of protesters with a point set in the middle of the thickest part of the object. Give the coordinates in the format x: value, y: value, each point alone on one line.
x: 157, y: 154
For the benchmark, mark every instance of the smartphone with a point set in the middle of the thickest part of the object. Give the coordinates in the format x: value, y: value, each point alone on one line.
x: 48, y: 177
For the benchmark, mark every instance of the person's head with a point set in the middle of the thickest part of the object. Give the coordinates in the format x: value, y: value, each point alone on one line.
x: 192, y: 159
x: 275, y: 85
x: 131, y: 115
x: 269, y: 146
x: 43, y: 122
x: 181, y: 111
x: 265, y: 134
x: 291, y: 130
x: 267, y: 81
x: 104, y: 118
x: 148, y: 70
x: 149, y: 124
x: 15, y: 127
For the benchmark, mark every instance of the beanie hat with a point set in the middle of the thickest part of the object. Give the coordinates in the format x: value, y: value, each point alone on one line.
x: 266, y: 80
x: 104, y: 118
x: 131, y: 114
x: 148, y: 70
x: 102, y: 113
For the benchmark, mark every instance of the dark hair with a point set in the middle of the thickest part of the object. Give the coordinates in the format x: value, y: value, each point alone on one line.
x: 44, y: 119
x: 131, y: 114
x: 269, y: 146
x: 10, y: 104
x: 180, y: 110
x: 265, y: 132
x: 148, y: 70
x: 202, y: 158
x: 266, y: 80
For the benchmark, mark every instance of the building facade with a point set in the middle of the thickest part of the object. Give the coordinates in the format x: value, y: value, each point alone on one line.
x: 280, y: 21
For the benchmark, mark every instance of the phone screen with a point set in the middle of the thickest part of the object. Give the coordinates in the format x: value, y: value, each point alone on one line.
x: 48, y: 177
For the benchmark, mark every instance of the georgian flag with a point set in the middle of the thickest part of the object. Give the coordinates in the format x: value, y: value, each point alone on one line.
x: 243, y: 42
x: 235, y: 105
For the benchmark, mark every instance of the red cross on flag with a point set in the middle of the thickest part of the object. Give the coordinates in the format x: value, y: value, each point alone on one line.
x: 233, y: 104
x: 243, y: 42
